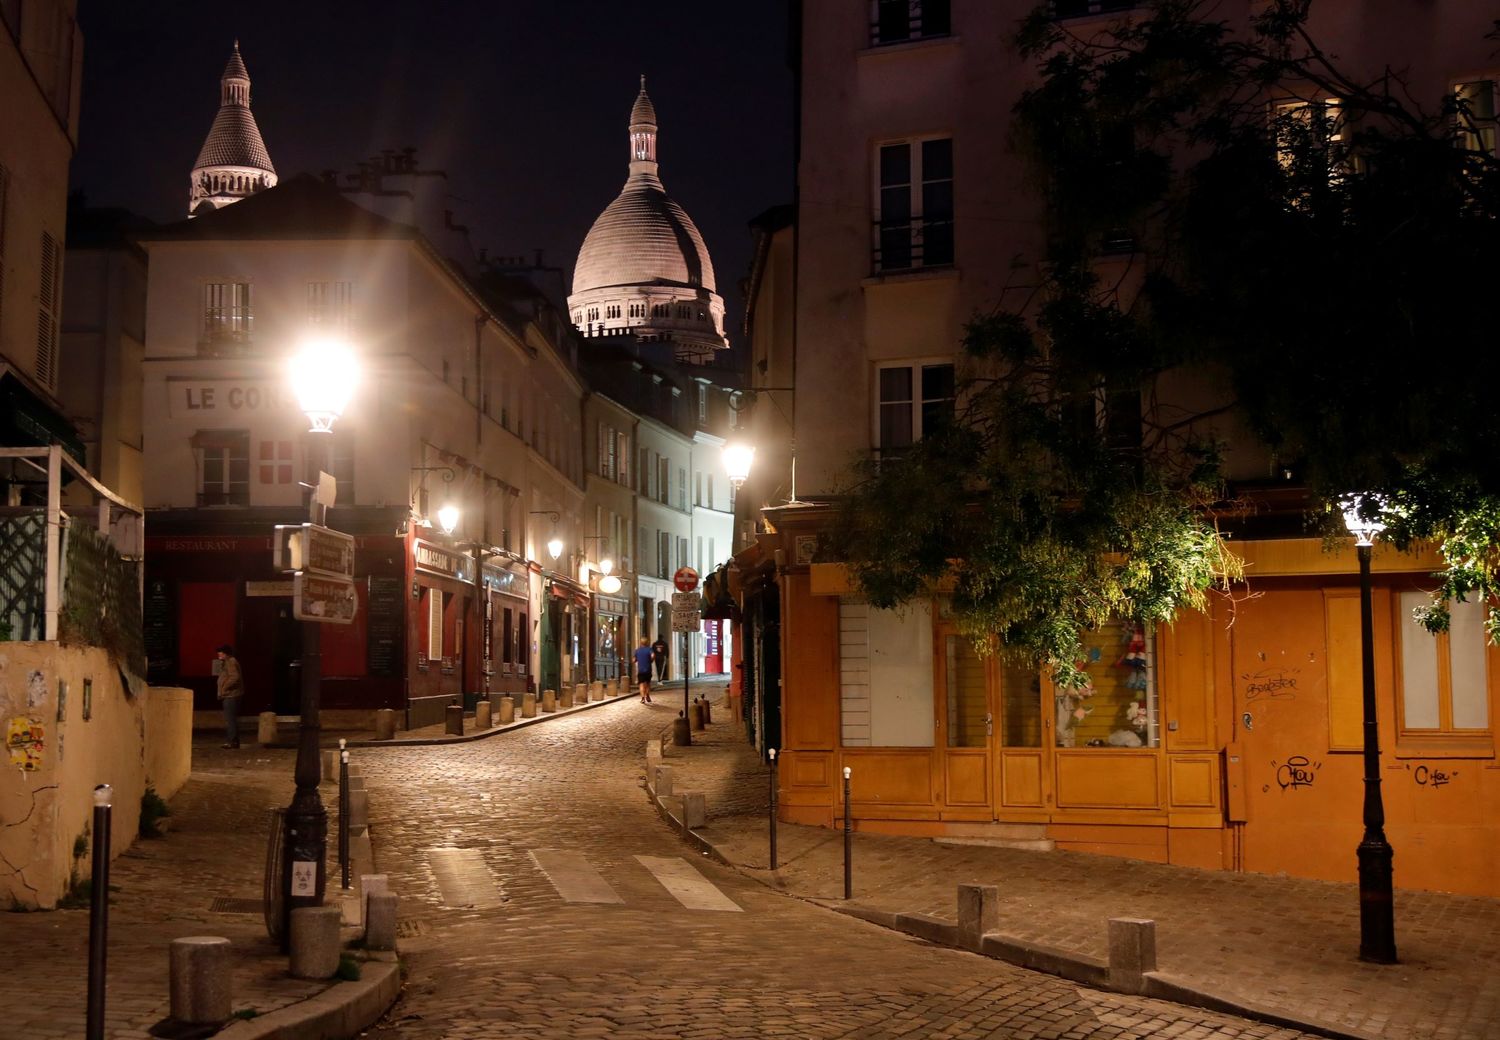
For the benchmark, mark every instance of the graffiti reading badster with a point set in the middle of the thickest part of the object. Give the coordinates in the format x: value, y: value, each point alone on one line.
x: 1297, y: 771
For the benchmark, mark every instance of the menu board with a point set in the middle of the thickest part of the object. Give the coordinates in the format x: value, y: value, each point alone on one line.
x: 157, y: 627
x: 386, y: 615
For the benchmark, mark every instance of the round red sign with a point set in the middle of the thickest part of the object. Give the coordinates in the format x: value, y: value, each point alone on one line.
x: 686, y: 579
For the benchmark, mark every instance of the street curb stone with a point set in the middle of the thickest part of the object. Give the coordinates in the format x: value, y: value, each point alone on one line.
x: 342, y: 1010
x: 483, y: 734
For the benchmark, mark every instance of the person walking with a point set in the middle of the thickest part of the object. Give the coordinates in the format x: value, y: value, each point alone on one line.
x: 659, y: 656
x: 643, y: 670
x: 231, y: 688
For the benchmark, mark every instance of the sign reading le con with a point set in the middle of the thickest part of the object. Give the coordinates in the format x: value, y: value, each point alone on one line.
x: 318, y: 597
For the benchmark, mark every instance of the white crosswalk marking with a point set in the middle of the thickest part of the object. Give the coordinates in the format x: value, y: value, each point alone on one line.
x: 687, y: 886
x: 463, y: 878
x: 574, y: 877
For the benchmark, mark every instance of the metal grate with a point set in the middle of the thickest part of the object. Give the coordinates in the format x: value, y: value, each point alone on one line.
x: 225, y: 905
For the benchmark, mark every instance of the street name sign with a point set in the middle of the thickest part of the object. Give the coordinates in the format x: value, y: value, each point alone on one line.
x: 312, y: 547
x: 324, y: 598
x: 686, y: 613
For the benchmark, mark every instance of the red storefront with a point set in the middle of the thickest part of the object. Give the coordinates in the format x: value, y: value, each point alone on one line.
x: 204, y: 589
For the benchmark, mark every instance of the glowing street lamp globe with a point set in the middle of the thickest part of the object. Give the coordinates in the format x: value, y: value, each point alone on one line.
x: 324, y: 375
x: 448, y: 518
x: 1363, y: 528
x: 739, y: 456
x: 554, y: 547
x: 606, y: 565
x: 609, y: 584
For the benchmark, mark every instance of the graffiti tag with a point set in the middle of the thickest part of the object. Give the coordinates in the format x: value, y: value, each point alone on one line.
x: 1270, y: 685
x: 1425, y: 776
x: 1297, y: 771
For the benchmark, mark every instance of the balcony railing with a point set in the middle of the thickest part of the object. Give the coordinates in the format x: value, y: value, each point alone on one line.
x: 912, y: 246
x: 1084, y: 8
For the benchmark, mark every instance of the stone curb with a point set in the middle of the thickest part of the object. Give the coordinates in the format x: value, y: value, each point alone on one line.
x: 341, y: 1011
x: 492, y: 731
x: 1087, y: 971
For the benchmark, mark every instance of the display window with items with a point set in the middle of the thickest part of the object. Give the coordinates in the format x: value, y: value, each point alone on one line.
x: 1116, y: 705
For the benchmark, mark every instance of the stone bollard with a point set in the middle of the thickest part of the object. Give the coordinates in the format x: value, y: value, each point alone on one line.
x: 596, y: 690
x: 371, y: 885
x: 580, y: 693
x: 385, y: 724
x: 380, y: 921
x: 653, y: 753
x: 482, y: 715
x: 453, y: 720
x: 663, y: 785
x: 528, y: 705
x: 266, y: 728
x: 359, y: 808
x: 694, y: 809
x: 549, y: 700
x: 708, y: 713
x: 356, y: 781
x: 978, y: 913
x: 328, y: 765
x: 565, y: 698
x: 1132, y: 953
x: 201, y: 975
x: 695, y: 717
x: 315, y: 945
x: 507, y: 710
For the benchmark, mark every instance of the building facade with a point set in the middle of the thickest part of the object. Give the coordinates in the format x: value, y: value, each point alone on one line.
x: 1204, y: 744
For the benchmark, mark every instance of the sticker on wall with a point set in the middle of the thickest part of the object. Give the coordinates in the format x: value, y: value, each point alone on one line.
x: 36, y: 690
x: 88, y: 699
x: 304, y: 877
x: 25, y: 741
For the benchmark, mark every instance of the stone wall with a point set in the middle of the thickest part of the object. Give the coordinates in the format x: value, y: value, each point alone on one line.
x: 70, y: 722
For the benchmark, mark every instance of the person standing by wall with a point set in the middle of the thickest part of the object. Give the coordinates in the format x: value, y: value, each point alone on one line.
x: 643, y: 670
x: 231, y: 688
x: 659, y: 657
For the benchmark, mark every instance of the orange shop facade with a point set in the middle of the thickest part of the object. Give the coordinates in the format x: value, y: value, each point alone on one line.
x: 1229, y: 740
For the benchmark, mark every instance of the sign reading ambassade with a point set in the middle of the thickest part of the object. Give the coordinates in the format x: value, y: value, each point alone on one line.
x: 197, y: 397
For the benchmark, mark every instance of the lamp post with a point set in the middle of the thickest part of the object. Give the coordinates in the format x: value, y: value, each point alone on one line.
x: 323, y: 375
x: 1377, y: 925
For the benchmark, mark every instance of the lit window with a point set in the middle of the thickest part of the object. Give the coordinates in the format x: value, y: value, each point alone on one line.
x: 1475, y: 115
x: 1309, y: 139
x: 226, y: 312
x: 329, y: 303
x: 914, y: 400
x: 1444, y: 678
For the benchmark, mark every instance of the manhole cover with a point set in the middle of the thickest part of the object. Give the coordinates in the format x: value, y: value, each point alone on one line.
x: 410, y: 929
x: 225, y: 905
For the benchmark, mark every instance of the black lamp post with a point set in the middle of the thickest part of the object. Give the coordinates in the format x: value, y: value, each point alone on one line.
x: 1377, y: 924
x: 323, y: 377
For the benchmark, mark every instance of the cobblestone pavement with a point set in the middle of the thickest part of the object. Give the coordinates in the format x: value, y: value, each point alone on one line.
x: 161, y: 890
x: 1282, y: 943
x: 533, y: 965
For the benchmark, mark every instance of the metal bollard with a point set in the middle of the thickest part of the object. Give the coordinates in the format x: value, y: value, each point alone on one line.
x: 99, y: 912
x: 848, y: 840
x: 343, y: 813
x: 773, y: 808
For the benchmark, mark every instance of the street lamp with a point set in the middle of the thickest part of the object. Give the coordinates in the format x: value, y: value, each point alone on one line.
x: 739, y: 456
x: 1377, y: 925
x: 739, y: 453
x: 447, y: 518
x: 324, y: 374
x: 554, y: 547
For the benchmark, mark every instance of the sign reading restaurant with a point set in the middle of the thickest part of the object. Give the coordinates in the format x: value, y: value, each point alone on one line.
x: 195, y: 397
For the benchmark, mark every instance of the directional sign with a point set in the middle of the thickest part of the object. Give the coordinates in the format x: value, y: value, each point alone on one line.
x: 312, y: 547
x: 319, y: 597
x: 686, y: 613
x: 686, y: 579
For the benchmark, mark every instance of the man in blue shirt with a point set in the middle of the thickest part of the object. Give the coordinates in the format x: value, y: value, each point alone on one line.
x: 642, y: 657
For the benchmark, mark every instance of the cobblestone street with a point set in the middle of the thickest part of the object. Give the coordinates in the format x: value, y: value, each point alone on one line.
x: 463, y: 831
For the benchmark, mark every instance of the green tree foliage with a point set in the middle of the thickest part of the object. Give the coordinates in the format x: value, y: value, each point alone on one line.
x: 1318, y: 242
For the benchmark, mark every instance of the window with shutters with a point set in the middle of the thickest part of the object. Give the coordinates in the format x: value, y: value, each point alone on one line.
x: 644, y: 471
x: 622, y: 456
x: 49, y: 304
x: 223, y: 459
x: 329, y: 304
x: 1445, y: 695
x: 663, y: 554
x: 664, y: 481
x: 226, y: 315
x: 682, y: 499
x: 900, y: 21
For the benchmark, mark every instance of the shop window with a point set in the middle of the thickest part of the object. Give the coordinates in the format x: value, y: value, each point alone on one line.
x: 1117, y: 706
x: 966, y: 691
x: 434, y: 642
x: 885, y: 675
x: 507, y: 639
x: 523, y: 644
x: 1445, y: 695
x: 1020, y: 706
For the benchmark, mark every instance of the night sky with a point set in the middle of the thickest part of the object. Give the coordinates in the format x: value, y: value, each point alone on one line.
x: 524, y: 104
